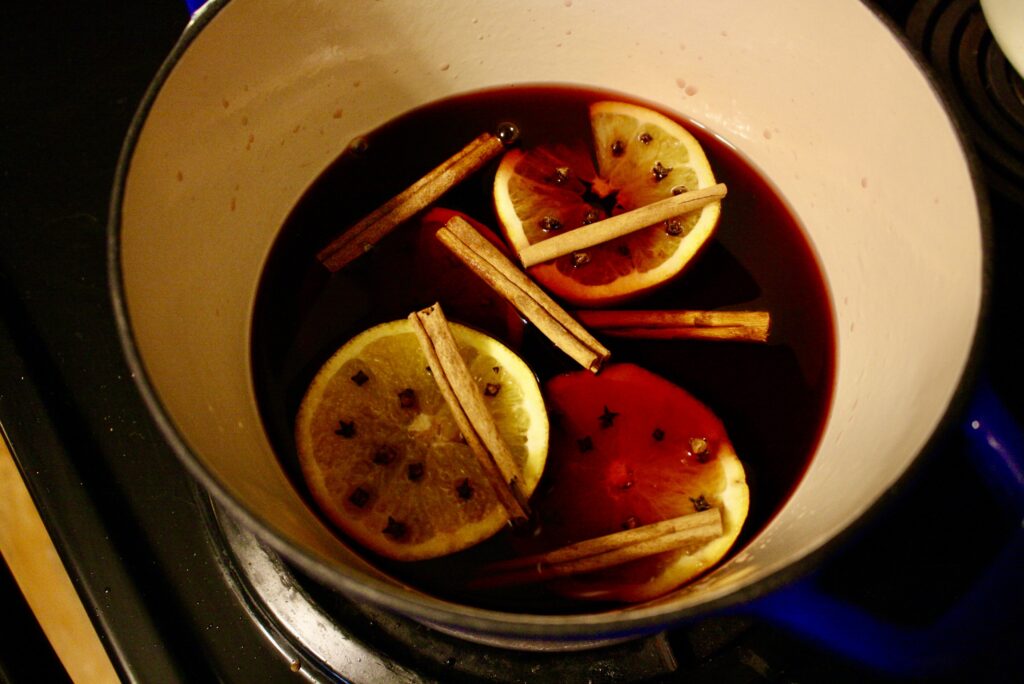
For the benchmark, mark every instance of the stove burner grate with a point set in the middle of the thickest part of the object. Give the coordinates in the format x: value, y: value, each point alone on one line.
x: 986, y: 92
x: 326, y: 637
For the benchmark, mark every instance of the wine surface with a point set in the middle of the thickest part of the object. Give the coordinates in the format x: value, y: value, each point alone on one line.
x: 773, y: 398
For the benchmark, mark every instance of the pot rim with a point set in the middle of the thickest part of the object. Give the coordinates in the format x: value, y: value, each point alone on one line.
x: 629, y: 621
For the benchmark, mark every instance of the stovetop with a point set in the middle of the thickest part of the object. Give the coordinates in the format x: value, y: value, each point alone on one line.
x: 171, y: 582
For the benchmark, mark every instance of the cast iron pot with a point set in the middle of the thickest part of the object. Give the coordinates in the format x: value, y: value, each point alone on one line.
x: 821, y: 97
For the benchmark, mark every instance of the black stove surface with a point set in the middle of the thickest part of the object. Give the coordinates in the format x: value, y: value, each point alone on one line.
x: 158, y: 572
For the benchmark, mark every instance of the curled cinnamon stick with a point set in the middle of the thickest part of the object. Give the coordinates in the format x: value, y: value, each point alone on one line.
x: 616, y: 226
x: 605, y: 552
x: 464, y: 398
x: 362, y: 236
x: 740, y: 326
x: 498, y: 271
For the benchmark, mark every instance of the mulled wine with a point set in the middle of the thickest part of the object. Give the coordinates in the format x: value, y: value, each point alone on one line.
x: 772, y: 397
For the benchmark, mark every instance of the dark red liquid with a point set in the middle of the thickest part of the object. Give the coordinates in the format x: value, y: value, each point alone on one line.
x: 773, y: 398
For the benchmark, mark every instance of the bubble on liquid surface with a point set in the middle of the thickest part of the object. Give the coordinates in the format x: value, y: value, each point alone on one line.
x: 359, y: 145
x: 508, y: 132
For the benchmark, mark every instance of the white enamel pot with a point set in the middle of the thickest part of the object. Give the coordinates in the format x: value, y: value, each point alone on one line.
x: 821, y: 97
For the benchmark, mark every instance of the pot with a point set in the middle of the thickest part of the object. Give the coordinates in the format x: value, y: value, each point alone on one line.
x: 821, y: 97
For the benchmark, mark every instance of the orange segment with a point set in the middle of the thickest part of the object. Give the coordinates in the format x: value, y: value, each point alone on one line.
x: 630, y: 448
x: 382, y: 454
x: 642, y: 156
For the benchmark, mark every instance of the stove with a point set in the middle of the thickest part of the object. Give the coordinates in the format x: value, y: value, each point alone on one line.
x: 179, y: 592
x: 954, y: 38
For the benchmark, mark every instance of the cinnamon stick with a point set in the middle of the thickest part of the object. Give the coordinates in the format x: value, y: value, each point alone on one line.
x: 740, y: 326
x: 465, y: 399
x: 605, y: 552
x: 498, y: 271
x: 362, y: 236
x: 616, y: 226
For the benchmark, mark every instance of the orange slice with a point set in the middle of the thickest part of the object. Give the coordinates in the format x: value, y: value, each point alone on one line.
x: 382, y: 454
x: 630, y: 448
x: 641, y: 157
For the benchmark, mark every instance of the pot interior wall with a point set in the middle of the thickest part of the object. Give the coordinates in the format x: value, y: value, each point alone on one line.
x: 826, y: 103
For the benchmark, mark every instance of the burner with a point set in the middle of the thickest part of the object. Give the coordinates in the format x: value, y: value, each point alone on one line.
x: 986, y: 91
x: 328, y: 637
